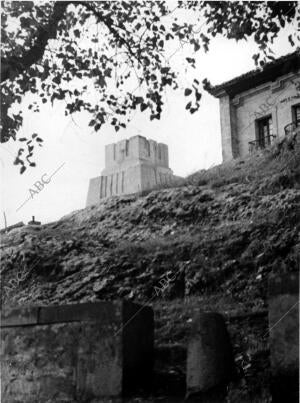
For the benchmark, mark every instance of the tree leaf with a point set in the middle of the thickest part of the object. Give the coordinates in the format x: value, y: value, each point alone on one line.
x: 143, y: 107
x: 198, y: 96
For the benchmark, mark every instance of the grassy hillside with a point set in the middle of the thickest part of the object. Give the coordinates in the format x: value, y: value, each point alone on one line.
x: 217, y: 237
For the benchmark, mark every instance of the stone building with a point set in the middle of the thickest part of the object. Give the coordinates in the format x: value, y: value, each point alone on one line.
x: 259, y: 106
x: 131, y: 166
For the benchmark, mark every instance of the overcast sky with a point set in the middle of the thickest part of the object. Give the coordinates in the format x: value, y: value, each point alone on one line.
x: 77, y: 154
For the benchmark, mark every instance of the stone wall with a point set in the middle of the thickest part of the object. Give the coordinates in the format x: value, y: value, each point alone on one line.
x: 75, y: 353
x: 102, y: 352
x: 239, y: 114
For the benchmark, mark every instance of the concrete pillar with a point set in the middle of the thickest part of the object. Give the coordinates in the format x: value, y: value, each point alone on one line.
x: 229, y: 134
x: 210, y: 364
x: 135, y: 145
x: 105, y: 186
x: 82, y: 352
x: 147, y: 149
x: 166, y: 156
x: 111, y: 184
x: 123, y: 182
x: 127, y: 149
x: 108, y: 184
x: 102, y: 187
x: 121, y: 150
x: 160, y: 154
x: 153, y: 151
x: 284, y: 337
x: 94, y: 191
x: 117, y: 183
x: 109, y: 155
x: 234, y: 131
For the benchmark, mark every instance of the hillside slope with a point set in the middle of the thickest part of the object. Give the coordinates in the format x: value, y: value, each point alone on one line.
x: 217, y: 237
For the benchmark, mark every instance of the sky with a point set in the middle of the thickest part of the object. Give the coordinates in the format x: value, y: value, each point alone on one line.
x: 72, y: 153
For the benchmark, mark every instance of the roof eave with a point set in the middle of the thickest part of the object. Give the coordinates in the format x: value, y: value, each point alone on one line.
x: 256, y: 77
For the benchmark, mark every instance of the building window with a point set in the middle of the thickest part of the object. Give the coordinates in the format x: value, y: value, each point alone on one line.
x: 115, y: 151
x: 127, y: 148
x: 264, y: 131
x: 296, y: 114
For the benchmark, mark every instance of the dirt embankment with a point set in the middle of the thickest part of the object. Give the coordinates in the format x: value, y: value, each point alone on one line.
x: 210, y: 243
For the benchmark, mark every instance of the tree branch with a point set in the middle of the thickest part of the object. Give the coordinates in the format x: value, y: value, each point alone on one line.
x: 13, y: 66
x: 108, y: 22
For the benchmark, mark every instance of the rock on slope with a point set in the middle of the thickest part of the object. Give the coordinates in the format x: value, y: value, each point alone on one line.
x: 217, y: 237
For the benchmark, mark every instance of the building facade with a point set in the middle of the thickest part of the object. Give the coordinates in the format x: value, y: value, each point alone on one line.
x: 259, y: 107
x: 131, y: 166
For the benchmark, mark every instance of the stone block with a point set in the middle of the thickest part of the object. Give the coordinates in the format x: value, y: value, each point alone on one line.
x: 210, y: 364
x: 284, y: 337
x: 75, y: 353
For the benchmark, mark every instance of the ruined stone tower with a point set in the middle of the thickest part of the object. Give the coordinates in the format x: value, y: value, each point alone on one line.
x: 131, y: 166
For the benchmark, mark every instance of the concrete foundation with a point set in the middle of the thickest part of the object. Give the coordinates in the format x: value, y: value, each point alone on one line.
x: 75, y: 353
x: 131, y: 166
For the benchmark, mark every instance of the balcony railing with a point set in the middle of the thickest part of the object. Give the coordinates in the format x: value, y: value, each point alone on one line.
x: 291, y: 128
x: 260, y: 144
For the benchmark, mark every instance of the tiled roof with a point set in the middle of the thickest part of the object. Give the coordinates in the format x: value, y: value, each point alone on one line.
x: 272, y: 70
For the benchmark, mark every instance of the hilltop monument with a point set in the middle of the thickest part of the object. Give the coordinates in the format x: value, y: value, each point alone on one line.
x: 131, y: 166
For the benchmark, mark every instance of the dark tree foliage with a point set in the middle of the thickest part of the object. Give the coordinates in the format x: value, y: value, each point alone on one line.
x: 120, y: 51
